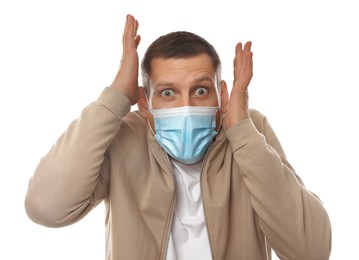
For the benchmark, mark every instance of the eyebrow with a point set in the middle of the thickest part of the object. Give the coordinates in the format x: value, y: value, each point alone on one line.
x: 171, y: 84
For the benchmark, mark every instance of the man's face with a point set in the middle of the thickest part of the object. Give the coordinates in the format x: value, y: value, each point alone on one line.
x: 183, y: 82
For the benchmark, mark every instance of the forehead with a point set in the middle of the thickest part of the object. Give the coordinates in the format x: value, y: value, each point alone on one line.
x: 182, y: 69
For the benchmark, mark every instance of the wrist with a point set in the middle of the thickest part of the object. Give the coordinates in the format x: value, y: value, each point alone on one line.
x: 233, y: 120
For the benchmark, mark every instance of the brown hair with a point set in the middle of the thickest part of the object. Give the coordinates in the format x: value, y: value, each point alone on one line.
x: 179, y: 44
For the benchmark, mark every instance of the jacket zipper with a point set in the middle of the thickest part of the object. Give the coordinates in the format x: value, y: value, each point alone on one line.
x: 169, y: 225
x: 203, y: 201
x: 173, y: 203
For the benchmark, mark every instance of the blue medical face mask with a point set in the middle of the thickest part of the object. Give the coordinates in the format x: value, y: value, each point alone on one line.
x: 185, y: 133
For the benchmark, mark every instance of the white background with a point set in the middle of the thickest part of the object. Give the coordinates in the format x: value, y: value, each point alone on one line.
x: 57, y: 56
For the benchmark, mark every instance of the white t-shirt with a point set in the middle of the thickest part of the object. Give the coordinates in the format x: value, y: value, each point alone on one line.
x: 188, y: 238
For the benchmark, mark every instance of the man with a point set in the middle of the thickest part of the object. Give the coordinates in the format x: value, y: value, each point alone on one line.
x: 194, y: 174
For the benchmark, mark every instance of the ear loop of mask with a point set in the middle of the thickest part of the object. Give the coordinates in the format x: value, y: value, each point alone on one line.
x: 218, y: 92
x: 149, y: 99
x: 149, y: 105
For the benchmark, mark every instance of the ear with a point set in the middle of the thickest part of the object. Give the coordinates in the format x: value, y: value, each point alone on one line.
x: 142, y: 104
x: 224, y: 97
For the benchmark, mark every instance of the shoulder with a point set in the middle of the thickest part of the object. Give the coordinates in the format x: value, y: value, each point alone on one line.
x: 134, y: 123
x: 132, y: 133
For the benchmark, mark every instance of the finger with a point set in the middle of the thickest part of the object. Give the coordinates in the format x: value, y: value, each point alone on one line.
x: 130, y: 31
x: 239, y: 50
x: 238, y: 54
x: 125, y: 31
x: 247, y: 47
x: 250, y: 60
x: 137, y: 40
x: 248, y: 64
x: 245, y: 58
x: 237, y: 60
x: 224, y: 98
x: 135, y: 28
x: 136, y: 37
x: 246, y: 73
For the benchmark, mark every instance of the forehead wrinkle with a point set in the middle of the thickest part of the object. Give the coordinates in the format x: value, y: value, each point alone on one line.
x: 163, y: 84
x: 202, y: 78
x: 171, y: 83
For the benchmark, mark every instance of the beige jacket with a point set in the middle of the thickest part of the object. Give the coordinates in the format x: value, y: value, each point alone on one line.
x: 253, y: 200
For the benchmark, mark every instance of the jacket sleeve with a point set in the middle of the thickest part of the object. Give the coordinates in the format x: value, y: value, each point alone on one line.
x: 73, y: 176
x: 292, y: 218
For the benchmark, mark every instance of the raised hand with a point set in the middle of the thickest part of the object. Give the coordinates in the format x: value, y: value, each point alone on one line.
x: 126, y: 79
x: 237, y: 108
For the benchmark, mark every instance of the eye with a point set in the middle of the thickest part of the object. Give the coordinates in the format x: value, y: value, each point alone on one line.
x: 201, y: 91
x: 167, y: 93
